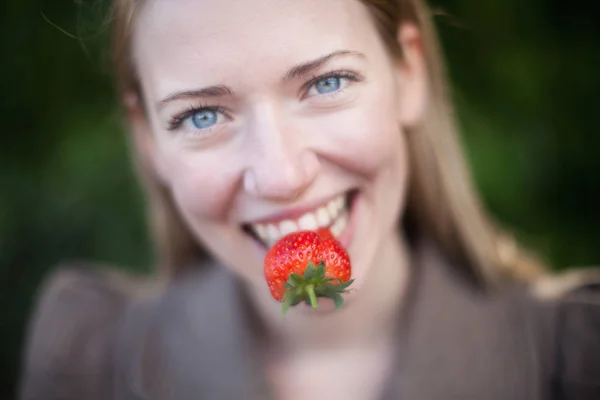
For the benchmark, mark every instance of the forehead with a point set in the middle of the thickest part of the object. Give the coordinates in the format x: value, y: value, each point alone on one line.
x: 206, y: 41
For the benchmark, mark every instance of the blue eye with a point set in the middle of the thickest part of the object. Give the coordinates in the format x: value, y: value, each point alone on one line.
x: 204, y: 118
x: 328, y: 85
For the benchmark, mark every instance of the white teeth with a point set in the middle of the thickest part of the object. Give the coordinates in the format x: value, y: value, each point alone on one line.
x: 287, y: 227
x: 332, y: 215
x: 272, y: 233
x: 261, y: 231
x: 323, y: 217
x: 332, y: 208
x: 339, y: 225
x: 340, y: 202
x: 308, y: 222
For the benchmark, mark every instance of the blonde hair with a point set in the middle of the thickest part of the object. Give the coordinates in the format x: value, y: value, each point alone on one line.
x: 442, y: 202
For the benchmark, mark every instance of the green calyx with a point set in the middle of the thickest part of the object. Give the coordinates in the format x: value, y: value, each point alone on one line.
x: 311, y: 286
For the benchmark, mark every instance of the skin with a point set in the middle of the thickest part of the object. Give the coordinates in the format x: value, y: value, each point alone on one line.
x: 277, y: 147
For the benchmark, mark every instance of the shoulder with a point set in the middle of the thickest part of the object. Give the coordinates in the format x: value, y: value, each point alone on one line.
x: 574, y: 298
x: 72, y: 331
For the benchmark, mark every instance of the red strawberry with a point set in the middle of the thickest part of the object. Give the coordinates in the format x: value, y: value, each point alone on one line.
x: 303, y: 266
x: 324, y: 233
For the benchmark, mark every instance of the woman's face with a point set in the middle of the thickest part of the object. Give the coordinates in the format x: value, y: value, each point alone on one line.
x: 270, y: 116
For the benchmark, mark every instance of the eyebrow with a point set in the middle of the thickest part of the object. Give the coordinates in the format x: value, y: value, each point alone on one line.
x: 224, y: 91
x: 210, y: 91
x: 311, y: 66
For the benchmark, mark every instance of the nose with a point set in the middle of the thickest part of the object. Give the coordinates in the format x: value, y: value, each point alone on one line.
x: 282, y: 166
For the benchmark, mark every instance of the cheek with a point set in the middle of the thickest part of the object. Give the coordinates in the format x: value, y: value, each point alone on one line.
x: 201, y: 183
x: 366, y: 137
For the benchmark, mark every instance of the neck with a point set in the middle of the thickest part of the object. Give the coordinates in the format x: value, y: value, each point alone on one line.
x: 368, y: 318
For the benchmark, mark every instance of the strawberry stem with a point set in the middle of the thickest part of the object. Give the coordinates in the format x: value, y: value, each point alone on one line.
x: 312, y: 285
x: 310, y: 290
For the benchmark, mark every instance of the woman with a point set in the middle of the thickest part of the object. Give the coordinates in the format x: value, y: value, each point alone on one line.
x: 254, y: 118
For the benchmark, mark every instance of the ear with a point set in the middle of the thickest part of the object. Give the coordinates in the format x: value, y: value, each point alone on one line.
x: 141, y: 135
x: 413, y: 82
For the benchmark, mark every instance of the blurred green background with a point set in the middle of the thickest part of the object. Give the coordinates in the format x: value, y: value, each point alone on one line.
x: 525, y: 83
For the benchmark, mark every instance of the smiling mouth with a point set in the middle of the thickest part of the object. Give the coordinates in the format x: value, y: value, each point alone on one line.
x: 333, y: 215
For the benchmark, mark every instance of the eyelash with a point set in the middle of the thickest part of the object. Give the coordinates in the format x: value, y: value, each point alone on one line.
x: 344, y: 74
x: 177, y: 120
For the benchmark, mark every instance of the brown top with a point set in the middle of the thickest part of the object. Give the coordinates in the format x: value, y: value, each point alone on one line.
x: 91, y: 338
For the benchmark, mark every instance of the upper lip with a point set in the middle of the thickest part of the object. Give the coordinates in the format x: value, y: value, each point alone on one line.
x: 295, y: 212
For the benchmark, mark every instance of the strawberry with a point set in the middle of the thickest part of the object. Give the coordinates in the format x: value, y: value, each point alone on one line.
x: 305, y: 265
